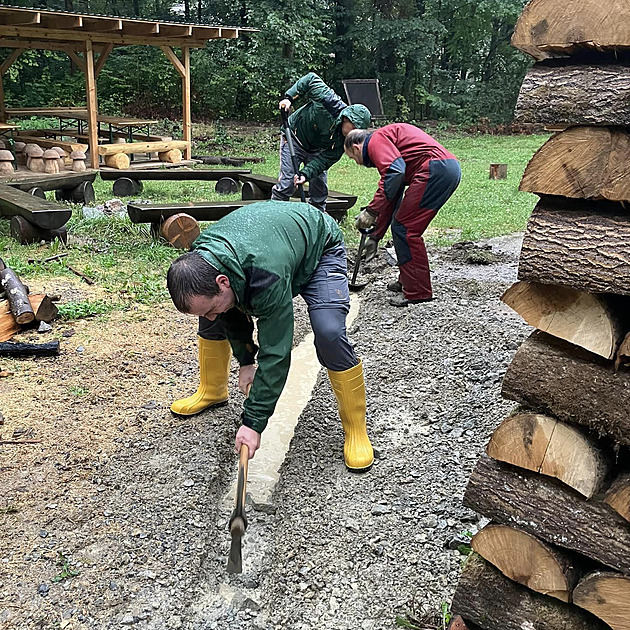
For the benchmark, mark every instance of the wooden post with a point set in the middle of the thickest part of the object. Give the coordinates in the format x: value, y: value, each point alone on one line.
x: 3, y: 111
x: 498, y: 171
x: 92, y: 103
x: 186, y: 102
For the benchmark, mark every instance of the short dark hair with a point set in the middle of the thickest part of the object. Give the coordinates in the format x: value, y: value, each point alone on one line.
x: 356, y: 136
x: 188, y: 276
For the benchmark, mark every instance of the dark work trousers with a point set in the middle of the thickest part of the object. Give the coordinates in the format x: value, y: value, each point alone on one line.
x: 318, y: 186
x: 428, y: 191
x: 328, y: 300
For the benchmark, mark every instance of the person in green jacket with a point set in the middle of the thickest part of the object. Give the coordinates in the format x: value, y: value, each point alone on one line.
x: 252, y: 263
x: 318, y: 129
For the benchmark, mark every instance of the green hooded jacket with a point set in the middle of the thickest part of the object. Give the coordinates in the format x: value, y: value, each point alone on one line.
x: 269, y: 251
x: 317, y: 125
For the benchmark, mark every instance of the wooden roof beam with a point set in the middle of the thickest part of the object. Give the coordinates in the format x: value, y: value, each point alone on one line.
x: 60, y: 21
x: 140, y: 28
x: 102, y: 24
x: 21, y: 18
x: 8, y: 62
x: 98, y: 66
x: 28, y: 44
x: 176, y: 30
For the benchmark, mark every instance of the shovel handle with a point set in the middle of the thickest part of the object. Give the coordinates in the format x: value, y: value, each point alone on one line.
x: 243, y: 461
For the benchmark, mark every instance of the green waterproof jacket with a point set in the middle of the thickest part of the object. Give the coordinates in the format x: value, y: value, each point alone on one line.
x: 269, y: 251
x: 317, y: 125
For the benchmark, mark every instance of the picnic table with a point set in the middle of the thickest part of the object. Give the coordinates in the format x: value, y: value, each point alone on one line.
x: 6, y: 128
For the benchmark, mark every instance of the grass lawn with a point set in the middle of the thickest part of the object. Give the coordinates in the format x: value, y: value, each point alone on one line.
x: 130, y: 266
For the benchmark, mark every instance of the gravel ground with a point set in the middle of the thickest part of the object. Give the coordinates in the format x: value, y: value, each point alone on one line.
x: 146, y: 529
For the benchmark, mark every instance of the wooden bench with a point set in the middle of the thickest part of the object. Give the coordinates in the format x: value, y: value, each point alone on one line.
x: 117, y: 155
x: 39, y: 212
x: 104, y: 134
x: 45, y: 143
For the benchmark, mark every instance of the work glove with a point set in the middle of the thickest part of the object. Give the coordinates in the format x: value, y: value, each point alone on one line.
x: 370, y: 249
x: 365, y: 219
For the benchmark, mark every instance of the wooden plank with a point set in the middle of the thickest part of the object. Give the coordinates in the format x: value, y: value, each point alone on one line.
x: 174, y: 59
x: 40, y: 212
x: 77, y: 60
x: 52, y: 182
x: 8, y: 62
x: 44, y: 111
x: 49, y: 144
x: 22, y: 18
x: 140, y: 147
x: 74, y: 133
x: 174, y: 174
x: 92, y: 104
x: 186, y: 109
x: 101, y: 24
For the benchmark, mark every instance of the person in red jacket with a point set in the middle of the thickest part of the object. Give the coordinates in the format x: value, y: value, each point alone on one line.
x: 406, y: 157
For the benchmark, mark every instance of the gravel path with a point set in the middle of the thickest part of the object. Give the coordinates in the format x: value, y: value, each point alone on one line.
x: 337, y: 551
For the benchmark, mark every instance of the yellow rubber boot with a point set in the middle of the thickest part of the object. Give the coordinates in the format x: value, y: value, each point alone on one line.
x: 214, y: 370
x: 349, y: 388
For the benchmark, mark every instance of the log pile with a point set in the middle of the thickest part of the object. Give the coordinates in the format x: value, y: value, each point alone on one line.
x: 556, y: 478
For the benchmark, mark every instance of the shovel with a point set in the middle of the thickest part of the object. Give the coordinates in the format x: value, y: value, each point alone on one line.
x: 286, y: 130
x: 238, y: 520
x: 353, y: 284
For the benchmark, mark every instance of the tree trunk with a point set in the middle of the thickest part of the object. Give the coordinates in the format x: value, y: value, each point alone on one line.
x: 548, y: 28
x: 17, y: 296
x: 553, y: 94
x: 607, y: 596
x: 494, y: 602
x: 29, y: 349
x: 586, y: 320
x: 618, y: 495
x: 570, y: 384
x: 547, y: 446
x: 552, y: 512
x: 528, y: 561
x: 582, y: 162
x: 583, y: 245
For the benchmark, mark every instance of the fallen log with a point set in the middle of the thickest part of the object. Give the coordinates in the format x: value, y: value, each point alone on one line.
x: 527, y: 560
x: 570, y: 384
x: 544, y: 445
x: 8, y: 349
x: 581, y: 162
x: 17, y: 295
x: 494, y: 602
x: 549, y: 28
x: 581, y: 318
x: 607, y: 596
x: 550, y: 511
x: 618, y: 495
x: 583, y: 245
x: 554, y: 94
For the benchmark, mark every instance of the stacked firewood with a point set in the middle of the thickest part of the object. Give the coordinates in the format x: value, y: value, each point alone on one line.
x: 556, y: 481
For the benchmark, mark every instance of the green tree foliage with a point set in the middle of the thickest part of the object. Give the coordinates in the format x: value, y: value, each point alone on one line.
x: 435, y: 59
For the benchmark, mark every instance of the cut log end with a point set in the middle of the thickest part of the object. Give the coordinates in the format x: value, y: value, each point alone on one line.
x: 607, y: 596
x: 118, y: 160
x: 618, y: 496
x: 180, y: 230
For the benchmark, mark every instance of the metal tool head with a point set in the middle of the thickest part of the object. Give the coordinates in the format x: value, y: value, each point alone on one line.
x: 238, y: 525
x: 353, y: 284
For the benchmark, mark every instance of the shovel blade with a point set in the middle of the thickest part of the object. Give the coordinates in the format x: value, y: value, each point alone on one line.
x: 235, y: 561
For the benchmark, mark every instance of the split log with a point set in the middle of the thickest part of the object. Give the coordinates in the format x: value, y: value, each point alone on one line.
x: 494, y: 602
x: 173, y: 156
x: 581, y: 318
x: 117, y: 160
x: 553, y: 94
x: 550, y: 511
x: 548, y: 28
x: 583, y: 245
x: 571, y: 384
x: 498, y: 171
x: 13, y: 350
x: 180, y: 231
x: 527, y: 560
x: 618, y: 495
x: 43, y: 307
x: 623, y: 354
x: 607, y: 596
x: 8, y: 326
x: 582, y: 162
x: 547, y: 446
x: 17, y: 296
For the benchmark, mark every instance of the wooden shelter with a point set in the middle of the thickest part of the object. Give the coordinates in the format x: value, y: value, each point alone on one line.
x: 89, y: 39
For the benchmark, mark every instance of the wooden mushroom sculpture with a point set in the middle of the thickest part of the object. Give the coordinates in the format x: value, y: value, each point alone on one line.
x: 2, y: 144
x: 62, y: 157
x: 51, y: 161
x: 36, y: 163
x: 78, y: 161
x: 6, y: 162
x: 20, y: 156
x: 27, y: 152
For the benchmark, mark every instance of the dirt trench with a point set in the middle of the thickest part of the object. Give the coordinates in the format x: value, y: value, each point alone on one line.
x: 118, y: 517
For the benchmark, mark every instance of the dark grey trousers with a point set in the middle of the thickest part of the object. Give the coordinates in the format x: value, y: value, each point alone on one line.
x: 328, y: 300
x: 318, y: 186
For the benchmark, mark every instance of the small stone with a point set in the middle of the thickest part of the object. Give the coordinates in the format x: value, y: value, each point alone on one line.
x: 80, y: 349
x: 43, y: 533
x: 44, y: 327
x: 113, y: 586
x: 151, y: 404
x: 68, y: 333
x: 128, y: 620
x: 43, y: 589
x: 188, y: 483
x: 379, y: 510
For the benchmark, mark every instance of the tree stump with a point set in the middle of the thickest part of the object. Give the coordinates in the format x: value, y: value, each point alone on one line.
x: 174, y: 156
x: 498, y: 171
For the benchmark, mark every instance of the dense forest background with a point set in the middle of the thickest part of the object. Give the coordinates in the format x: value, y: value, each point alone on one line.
x: 445, y: 60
